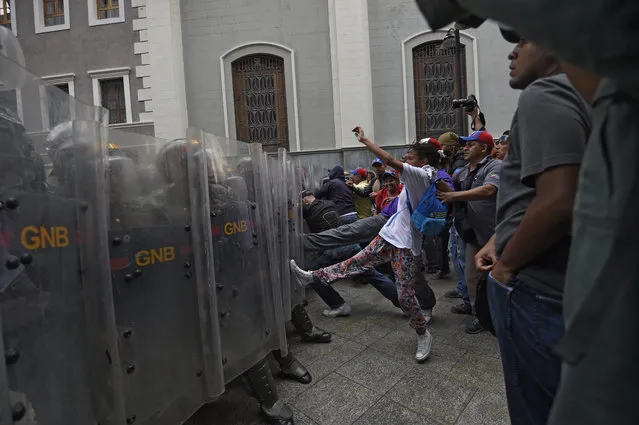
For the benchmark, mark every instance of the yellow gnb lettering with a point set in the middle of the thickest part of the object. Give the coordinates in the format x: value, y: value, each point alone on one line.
x: 33, y: 237
x: 161, y: 255
x: 233, y: 227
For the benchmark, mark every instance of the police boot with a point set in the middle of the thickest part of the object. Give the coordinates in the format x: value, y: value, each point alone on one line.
x: 261, y: 382
x: 292, y: 369
x: 303, y: 325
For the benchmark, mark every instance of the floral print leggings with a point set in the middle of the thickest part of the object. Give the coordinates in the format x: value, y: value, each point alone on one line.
x: 379, y: 252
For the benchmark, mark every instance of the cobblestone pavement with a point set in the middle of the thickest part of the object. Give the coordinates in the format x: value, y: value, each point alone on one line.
x: 367, y: 375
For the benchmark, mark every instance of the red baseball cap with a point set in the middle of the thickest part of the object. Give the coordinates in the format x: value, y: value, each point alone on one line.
x: 435, y: 143
x: 479, y: 136
x: 360, y: 171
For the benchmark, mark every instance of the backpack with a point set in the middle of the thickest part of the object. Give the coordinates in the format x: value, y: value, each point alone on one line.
x: 429, y: 217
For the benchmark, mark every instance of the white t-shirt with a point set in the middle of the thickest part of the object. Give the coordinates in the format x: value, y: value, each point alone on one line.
x: 399, y: 230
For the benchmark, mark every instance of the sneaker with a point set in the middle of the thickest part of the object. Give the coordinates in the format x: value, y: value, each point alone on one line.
x: 342, y: 310
x: 461, y: 309
x: 474, y: 327
x: 424, y: 344
x: 452, y: 294
x: 303, y: 277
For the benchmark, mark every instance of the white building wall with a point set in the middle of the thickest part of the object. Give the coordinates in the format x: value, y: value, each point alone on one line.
x: 159, y: 25
x: 498, y: 100
x: 351, y: 68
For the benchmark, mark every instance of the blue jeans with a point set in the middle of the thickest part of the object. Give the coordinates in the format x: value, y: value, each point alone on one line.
x: 348, y: 218
x: 528, y: 324
x: 333, y: 256
x: 458, y: 257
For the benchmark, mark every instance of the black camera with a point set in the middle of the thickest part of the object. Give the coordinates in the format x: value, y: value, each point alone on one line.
x: 468, y: 104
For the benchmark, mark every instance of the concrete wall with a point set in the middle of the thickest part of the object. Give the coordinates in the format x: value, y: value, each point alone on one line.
x: 80, y: 48
x: 399, y: 22
x: 212, y: 28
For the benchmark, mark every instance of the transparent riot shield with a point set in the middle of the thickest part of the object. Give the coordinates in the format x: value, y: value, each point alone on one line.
x: 279, y: 197
x: 248, y: 298
x: 295, y: 181
x: 62, y: 364
x: 168, y: 338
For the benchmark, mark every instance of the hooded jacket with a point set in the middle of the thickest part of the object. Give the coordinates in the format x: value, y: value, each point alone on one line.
x: 457, y: 162
x: 336, y: 190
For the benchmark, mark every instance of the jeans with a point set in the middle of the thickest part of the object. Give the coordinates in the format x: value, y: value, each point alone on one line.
x: 348, y: 218
x: 471, y: 274
x: 381, y: 282
x: 528, y: 324
x: 436, y: 250
x: 458, y: 257
x: 430, y: 249
x: 359, y: 231
x: 442, y: 245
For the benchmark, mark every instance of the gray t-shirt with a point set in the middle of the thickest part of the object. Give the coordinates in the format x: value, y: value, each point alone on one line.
x: 481, y: 214
x: 549, y: 129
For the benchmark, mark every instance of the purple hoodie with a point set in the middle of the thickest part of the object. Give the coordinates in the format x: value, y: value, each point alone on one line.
x: 445, y: 177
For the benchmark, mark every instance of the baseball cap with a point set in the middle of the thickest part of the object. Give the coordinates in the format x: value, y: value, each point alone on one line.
x: 377, y: 161
x: 479, y: 136
x: 389, y: 174
x: 306, y: 193
x: 359, y: 171
x: 509, y: 34
x: 449, y: 139
x: 433, y: 142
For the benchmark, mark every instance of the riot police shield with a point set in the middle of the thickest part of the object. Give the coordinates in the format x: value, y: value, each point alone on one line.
x: 249, y: 299
x: 59, y: 339
x: 296, y: 186
x: 291, y: 226
x: 168, y: 338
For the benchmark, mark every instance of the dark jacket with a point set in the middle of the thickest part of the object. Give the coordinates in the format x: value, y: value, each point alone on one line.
x: 457, y: 162
x: 336, y: 190
x: 321, y: 215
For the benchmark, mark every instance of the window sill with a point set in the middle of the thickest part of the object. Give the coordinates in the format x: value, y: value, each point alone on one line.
x: 131, y: 124
x: 52, y: 28
x: 106, y: 21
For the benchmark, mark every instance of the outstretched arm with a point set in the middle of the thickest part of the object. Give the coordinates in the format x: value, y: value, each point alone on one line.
x: 386, y: 157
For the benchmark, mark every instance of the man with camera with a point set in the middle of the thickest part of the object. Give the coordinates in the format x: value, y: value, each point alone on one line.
x: 471, y: 108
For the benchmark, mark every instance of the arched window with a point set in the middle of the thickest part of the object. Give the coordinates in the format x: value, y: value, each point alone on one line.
x: 434, y: 74
x: 259, y: 94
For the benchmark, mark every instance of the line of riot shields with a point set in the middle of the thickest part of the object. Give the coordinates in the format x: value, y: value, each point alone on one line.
x: 139, y: 276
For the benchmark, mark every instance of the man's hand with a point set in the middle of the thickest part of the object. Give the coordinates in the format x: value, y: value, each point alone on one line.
x: 446, y: 197
x: 359, y: 134
x: 373, y: 195
x: 472, y: 113
x: 501, y: 273
x: 485, y: 258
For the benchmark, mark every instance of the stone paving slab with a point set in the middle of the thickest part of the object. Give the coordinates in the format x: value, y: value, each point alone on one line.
x: 368, y: 375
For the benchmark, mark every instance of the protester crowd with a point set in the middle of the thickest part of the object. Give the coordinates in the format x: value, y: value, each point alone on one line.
x: 507, y: 235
